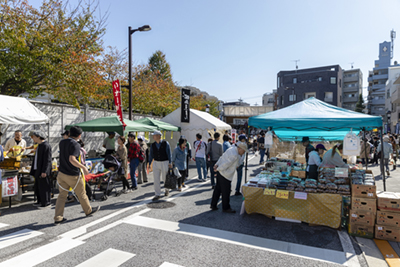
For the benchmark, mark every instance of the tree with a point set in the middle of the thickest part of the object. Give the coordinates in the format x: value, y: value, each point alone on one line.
x: 52, y: 49
x: 159, y: 65
x: 360, y: 104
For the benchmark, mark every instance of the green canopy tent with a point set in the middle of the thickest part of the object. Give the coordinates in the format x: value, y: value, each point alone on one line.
x: 161, y: 126
x: 112, y: 124
x: 315, y: 118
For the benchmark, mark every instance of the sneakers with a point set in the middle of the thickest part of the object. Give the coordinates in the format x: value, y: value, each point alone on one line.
x: 93, y: 211
x: 125, y: 191
x: 213, y: 208
x: 139, y: 182
x: 200, y: 180
x: 58, y: 222
x: 37, y: 204
x: 229, y: 211
x: 183, y: 185
x: 180, y: 189
x: 156, y: 198
x: 388, y: 173
x: 166, y: 192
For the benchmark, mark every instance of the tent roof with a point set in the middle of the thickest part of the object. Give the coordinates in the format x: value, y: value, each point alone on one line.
x: 198, y: 120
x: 18, y: 110
x: 112, y: 124
x: 315, y: 115
x: 161, y: 126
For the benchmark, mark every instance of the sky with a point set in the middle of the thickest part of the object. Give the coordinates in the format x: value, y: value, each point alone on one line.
x: 234, y: 49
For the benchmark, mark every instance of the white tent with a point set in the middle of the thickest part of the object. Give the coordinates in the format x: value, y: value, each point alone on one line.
x: 200, y: 122
x: 18, y: 110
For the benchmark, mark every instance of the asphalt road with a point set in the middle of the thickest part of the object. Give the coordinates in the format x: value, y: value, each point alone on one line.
x: 179, y: 231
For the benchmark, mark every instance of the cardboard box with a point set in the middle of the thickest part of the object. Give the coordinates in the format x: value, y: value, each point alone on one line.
x: 366, y: 204
x: 364, y: 191
x: 388, y: 218
x: 390, y: 233
x: 366, y: 231
x: 362, y: 217
x: 299, y: 174
x: 388, y: 201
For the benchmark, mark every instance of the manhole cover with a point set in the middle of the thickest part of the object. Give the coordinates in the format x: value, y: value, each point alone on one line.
x: 161, y: 205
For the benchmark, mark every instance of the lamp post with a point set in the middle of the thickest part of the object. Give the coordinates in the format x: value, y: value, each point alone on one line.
x: 389, y: 115
x: 208, y: 108
x: 144, y: 28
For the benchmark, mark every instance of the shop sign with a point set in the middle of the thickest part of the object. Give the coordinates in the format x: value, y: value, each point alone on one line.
x: 341, y: 172
x: 10, y: 186
x: 237, y: 121
x: 282, y: 194
x: 300, y: 195
x: 185, y: 105
x: 117, y: 100
x: 269, y: 192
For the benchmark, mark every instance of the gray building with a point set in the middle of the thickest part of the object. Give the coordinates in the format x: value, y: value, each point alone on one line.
x: 377, y: 81
x: 324, y: 83
x: 352, y: 88
x: 269, y: 99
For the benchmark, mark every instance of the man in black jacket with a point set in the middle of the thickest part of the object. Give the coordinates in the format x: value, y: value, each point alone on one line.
x: 41, y: 170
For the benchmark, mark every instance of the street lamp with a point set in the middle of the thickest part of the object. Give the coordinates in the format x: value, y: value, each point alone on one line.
x: 144, y: 28
x: 208, y: 108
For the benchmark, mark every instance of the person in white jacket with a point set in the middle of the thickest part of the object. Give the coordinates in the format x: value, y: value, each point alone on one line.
x: 225, y: 168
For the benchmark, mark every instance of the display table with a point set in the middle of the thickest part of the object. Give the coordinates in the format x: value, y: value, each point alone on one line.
x: 319, y: 209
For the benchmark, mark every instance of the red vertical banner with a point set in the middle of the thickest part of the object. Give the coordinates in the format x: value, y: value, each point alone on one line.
x: 117, y: 100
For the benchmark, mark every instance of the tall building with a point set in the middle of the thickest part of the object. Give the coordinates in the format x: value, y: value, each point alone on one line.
x: 392, y: 88
x: 377, y: 81
x: 352, y: 88
x: 324, y: 83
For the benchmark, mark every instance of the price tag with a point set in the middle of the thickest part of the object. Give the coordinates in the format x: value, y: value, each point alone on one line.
x: 300, y: 195
x: 380, y: 228
x: 354, y: 215
x: 269, y: 192
x: 341, y: 172
x: 282, y: 194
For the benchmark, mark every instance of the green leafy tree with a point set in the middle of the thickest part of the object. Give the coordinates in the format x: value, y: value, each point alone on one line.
x: 158, y: 65
x: 360, y: 104
x: 54, y: 48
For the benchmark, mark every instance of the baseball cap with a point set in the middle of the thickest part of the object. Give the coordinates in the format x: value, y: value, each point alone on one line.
x: 320, y: 146
x: 156, y: 133
x: 242, y: 136
x: 65, y: 133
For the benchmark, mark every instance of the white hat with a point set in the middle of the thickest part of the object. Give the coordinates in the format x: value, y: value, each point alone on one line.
x: 243, y: 146
x: 386, y: 138
x: 156, y: 133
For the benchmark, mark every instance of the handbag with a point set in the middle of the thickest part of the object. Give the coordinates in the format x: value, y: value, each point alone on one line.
x: 170, y: 180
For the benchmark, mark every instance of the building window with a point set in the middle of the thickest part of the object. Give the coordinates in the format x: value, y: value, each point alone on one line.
x: 388, y: 94
x: 282, y: 100
x: 340, y: 83
x: 308, y: 95
x: 380, y: 108
x: 278, y: 82
x: 328, y: 97
x: 333, y: 80
x: 294, y: 80
x: 320, y: 79
x: 292, y: 98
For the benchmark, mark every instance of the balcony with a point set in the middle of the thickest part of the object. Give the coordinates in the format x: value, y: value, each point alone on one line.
x: 377, y: 101
x: 370, y: 79
x: 351, y: 89
x: 380, y: 77
x: 350, y: 99
x: 378, y: 86
x: 350, y: 79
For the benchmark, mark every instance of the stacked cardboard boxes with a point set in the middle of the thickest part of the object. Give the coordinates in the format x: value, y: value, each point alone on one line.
x: 388, y: 216
x: 363, y: 210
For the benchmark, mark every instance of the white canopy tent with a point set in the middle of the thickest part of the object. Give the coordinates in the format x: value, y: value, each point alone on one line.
x: 18, y: 110
x: 200, y: 122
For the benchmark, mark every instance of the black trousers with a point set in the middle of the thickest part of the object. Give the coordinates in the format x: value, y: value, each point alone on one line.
x: 223, y: 187
x: 109, y: 152
x: 182, y: 179
x: 42, y: 189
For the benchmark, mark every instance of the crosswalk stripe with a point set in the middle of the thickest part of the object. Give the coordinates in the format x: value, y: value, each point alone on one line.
x: 167, y: 264
x: 276, y: 246
x: 110, y: 258
x: 42, y: 254
x: 19, y: 236
x: 3, y: 225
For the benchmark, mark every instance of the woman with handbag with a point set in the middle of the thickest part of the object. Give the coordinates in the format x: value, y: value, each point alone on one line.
x: 179, y: 161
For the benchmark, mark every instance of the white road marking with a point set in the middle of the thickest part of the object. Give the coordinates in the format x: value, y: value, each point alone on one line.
x: 19, y: 236
x: 110, y: 258
x: 351, y: 257
x: 3, y: 225
x: 167, y: 264
x: 43, y: 253
x: 307, y: 252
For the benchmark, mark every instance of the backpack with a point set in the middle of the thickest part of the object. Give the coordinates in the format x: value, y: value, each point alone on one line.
x: 142, y: 155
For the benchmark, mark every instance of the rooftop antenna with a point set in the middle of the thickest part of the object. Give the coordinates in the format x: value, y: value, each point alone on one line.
x: 392, y: 36
x: 297, y: 60
x: 240, y: 100
x: 351, y: 63
x: 256, y: 104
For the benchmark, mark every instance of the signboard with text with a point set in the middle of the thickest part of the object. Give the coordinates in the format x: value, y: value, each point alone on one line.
x: 117, y: 100
x: 185, y: 105
x: 9, y: 186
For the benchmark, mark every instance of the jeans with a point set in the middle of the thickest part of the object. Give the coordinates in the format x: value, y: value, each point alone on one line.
x: 201, y: 164
x: 133, y: 165
x: 223, y: 188
x: 212, y: 173
x: 386, y: 161
x: 239, y: 177
x: 262, y: 153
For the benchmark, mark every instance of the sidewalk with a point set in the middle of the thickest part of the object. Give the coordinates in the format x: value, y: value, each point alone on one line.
x: 392, y: 181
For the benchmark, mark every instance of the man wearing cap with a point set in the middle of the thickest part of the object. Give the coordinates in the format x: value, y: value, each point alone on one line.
x: 109, y: 143
x: 242, y: 140
x: 314, y: 161
x: 160, y: 151
x: 215, y: 151
x: 16, y: 141
x: 65, y: 135
x: 41, y: 170
x: 225, y: 168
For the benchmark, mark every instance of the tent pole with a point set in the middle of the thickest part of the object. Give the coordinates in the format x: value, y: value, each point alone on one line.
x: 247, y: 155
x: 365, y: 150
x: 382, y: 161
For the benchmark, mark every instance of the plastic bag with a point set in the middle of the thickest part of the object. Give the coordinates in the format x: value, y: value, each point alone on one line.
x: 351, y: 145
x: 269, y: 140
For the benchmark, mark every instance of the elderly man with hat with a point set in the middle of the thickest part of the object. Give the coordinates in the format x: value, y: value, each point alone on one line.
x: 41, y: 170
x: 387, y: 151
x: 225, y: 168
x: 160, y: 152
x: 314, y: 161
